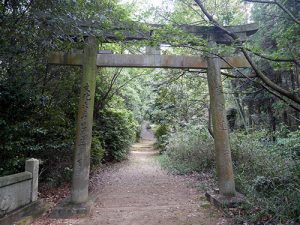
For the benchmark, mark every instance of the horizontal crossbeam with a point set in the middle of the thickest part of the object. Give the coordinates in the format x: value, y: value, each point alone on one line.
x: 147, y: 61
x: 242, y: 31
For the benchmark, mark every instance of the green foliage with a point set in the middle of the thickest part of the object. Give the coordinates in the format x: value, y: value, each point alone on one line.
x: 189, y: 150
x: 160, y: 133
x: 268, y: 173
x: 97, y: 151
x: 38, y: 102
x: 278, y: 34
x: 35, y: 123
x: 118, y: 130
x: 288, y: 143
x: 179, y: 97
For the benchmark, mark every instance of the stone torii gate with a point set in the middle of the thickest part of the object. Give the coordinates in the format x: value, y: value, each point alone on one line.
x: 89, y: 59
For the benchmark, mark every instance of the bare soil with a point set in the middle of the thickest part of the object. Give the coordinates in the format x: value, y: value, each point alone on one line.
x: 138, y: 192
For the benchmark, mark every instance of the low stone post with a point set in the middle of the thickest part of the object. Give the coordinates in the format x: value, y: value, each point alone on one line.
x: 220, y: 127
x: 81, y: 169
x: 32, y: 166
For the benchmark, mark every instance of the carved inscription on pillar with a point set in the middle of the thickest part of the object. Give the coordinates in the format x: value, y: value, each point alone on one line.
x: 84, y: 132
x: 84, y: 124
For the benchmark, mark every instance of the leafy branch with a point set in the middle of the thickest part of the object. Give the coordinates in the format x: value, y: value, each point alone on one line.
x: 270, y: 58
x: 276, y: 2
x: 270, y: 84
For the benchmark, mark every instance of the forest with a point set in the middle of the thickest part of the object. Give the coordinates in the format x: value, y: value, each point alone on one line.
x: 39, y: 101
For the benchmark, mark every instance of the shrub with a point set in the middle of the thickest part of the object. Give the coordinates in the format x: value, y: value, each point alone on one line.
x: 161, y: 131
x: 97, y: 151
x: 118, y: 131
x: 189, y: 150
x: 268, y: 173
x: 36, y: 125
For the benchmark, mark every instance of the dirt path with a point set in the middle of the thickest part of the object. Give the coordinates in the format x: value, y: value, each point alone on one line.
x: 139, y: 192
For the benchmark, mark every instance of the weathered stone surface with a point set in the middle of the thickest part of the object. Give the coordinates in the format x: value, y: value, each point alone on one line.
x: 242, y: 31
x: 14, y: 196
x: 81, y: 168
x: 61, y: 58
x: 14, y: 178
x: 19, y: 189
x: 222, y: 201
x: 32, y: 166
x: 166, y: 61
x: 147, y: 61
x: 220, y: 126
x: 24, y: 214
x: 67, y: 209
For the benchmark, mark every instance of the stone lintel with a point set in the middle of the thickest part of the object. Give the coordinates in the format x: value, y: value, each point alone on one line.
x: 147, y: 61
x: 242, y: 31
x: 221, y: 201
x: 249, y: 29
x: 129, y: 34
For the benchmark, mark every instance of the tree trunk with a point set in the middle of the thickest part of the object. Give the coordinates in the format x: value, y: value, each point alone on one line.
x: 250, y: 112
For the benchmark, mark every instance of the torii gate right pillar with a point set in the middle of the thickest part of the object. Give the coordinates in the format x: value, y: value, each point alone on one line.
x: 220, y: 128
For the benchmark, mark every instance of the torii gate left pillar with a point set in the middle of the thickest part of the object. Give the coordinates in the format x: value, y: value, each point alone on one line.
x: 81, y: 164
x: 79, y: 204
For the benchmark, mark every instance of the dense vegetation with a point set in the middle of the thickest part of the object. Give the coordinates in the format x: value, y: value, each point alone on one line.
x: 264, y: 125
x: 39, y: 102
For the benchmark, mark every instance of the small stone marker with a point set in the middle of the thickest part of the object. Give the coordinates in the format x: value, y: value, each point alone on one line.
x: 32, y: 166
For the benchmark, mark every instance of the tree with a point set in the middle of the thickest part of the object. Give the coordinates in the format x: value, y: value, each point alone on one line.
x: 269, y: 84
x: 38, y: 103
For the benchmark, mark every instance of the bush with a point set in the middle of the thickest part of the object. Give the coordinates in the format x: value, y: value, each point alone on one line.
x: 269, y: 174
x: 36, y: 125
x: 118, y: 131
x: 97, y: 151
x: 161, y: 131
x: 189, y: 150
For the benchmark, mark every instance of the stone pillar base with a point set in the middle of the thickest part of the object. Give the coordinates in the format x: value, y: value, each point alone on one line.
x: 25, y: 214
x: 66, y: 209
x: 221, y: 201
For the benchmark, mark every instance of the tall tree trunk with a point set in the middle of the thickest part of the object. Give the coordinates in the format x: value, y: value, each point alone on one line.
x: 250, y: 112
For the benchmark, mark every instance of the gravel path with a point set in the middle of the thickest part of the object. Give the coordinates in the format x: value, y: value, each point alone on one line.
x: 138, y: 192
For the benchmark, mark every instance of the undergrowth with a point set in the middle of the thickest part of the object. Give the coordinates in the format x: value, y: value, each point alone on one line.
x: 266, y: 172
x: 188, y: 151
